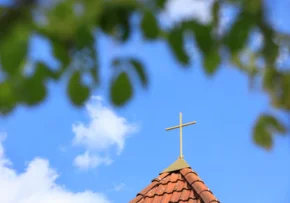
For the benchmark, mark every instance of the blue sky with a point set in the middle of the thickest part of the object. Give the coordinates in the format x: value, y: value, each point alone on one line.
x: 102, y: 154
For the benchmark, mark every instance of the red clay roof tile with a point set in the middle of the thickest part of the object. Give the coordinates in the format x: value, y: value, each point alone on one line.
x: 181, y: 186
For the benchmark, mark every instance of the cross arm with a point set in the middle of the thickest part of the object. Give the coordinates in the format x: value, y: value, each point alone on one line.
x: 183, y: 125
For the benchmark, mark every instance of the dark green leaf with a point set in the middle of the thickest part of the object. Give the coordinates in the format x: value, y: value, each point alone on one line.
x: 77, y: 91
x: 215, y: 11
x: 32, y: 91
x: 149, y: 26
x: 13, y: 50
x: 270, y: 49
x: 61, y: 20
x: 274, y: 125
x: 139, y: 68
x: 121, y: 89
x: 125, y: 31
x: 254, y: 7
x: 270, y: 79
x: 115, y: 19
x: 7, y: 98
x: 238, y: 34
x: 265, y: 126
x: 285, y: 97
x: 61, y: 53
x: 13, y: 18
x: 272, y: 84
x: 236, y: 60
x: 161, y: 3
x: 44, y: 72
x: 176, y: 44
x: 84, y: 37
x: 277, y: 84
x: 212, y: 61
x: 263, y: 138
x: 270, y: 52
x: 202, y: 33
x: 63, y: 10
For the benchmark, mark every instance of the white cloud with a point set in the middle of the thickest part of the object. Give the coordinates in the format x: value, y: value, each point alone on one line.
x: 177, y: 10
x: 37, y: 184
x: 87, y: 160
x: 104, y: 131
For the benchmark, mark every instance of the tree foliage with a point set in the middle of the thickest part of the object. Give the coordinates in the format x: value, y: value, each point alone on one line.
x: 72, y: 27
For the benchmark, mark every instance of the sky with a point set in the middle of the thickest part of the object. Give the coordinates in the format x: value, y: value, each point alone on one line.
x: 58, y: 153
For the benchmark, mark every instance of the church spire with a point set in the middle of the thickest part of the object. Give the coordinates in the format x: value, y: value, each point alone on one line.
x: 177, y: 183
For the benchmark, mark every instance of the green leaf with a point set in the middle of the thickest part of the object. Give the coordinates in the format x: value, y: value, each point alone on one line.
x: 63, y: 10
x: 277, y: 84
x: 13, y: 50
x: 274, y: 125
x: 236, y: 60
x: 176, y: 44
x: 161, y: 3
x: 14, y: 18
x: 253, y: 7
x: 115, y: 19
x: 7, y: 98
x: 139, y: 68
x: 44, y: 72
x: 270, y: 78
x: 202, y: 33
x: 285, y: 97
x: 61, y: 20
x: 215, y: 11
x: 270, y: 49
x: 125, y: 30
x: 121, y: 89
x: 32, y: 90
x: 84, y: 37
x: 238, y: 34
x: 263, y: 138
x: 212, y: 61
x: 264, y: 128
x: 149, y: 26
x: 272, y: 84
x: 61, y: 53
x: 77, y: 91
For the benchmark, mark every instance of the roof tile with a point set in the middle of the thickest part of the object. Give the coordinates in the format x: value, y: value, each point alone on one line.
x: 175, y: 196
x: 181, y: 186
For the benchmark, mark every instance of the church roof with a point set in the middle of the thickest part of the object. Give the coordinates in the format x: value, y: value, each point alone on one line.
x: 178, y: 183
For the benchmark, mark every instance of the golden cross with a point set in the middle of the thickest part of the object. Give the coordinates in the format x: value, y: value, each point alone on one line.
x: 180, y: 129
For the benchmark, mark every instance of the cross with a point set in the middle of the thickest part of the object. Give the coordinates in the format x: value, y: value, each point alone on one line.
x: 180, y: 130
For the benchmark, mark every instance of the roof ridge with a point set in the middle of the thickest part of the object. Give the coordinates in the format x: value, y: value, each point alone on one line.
x: 198, y: 185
